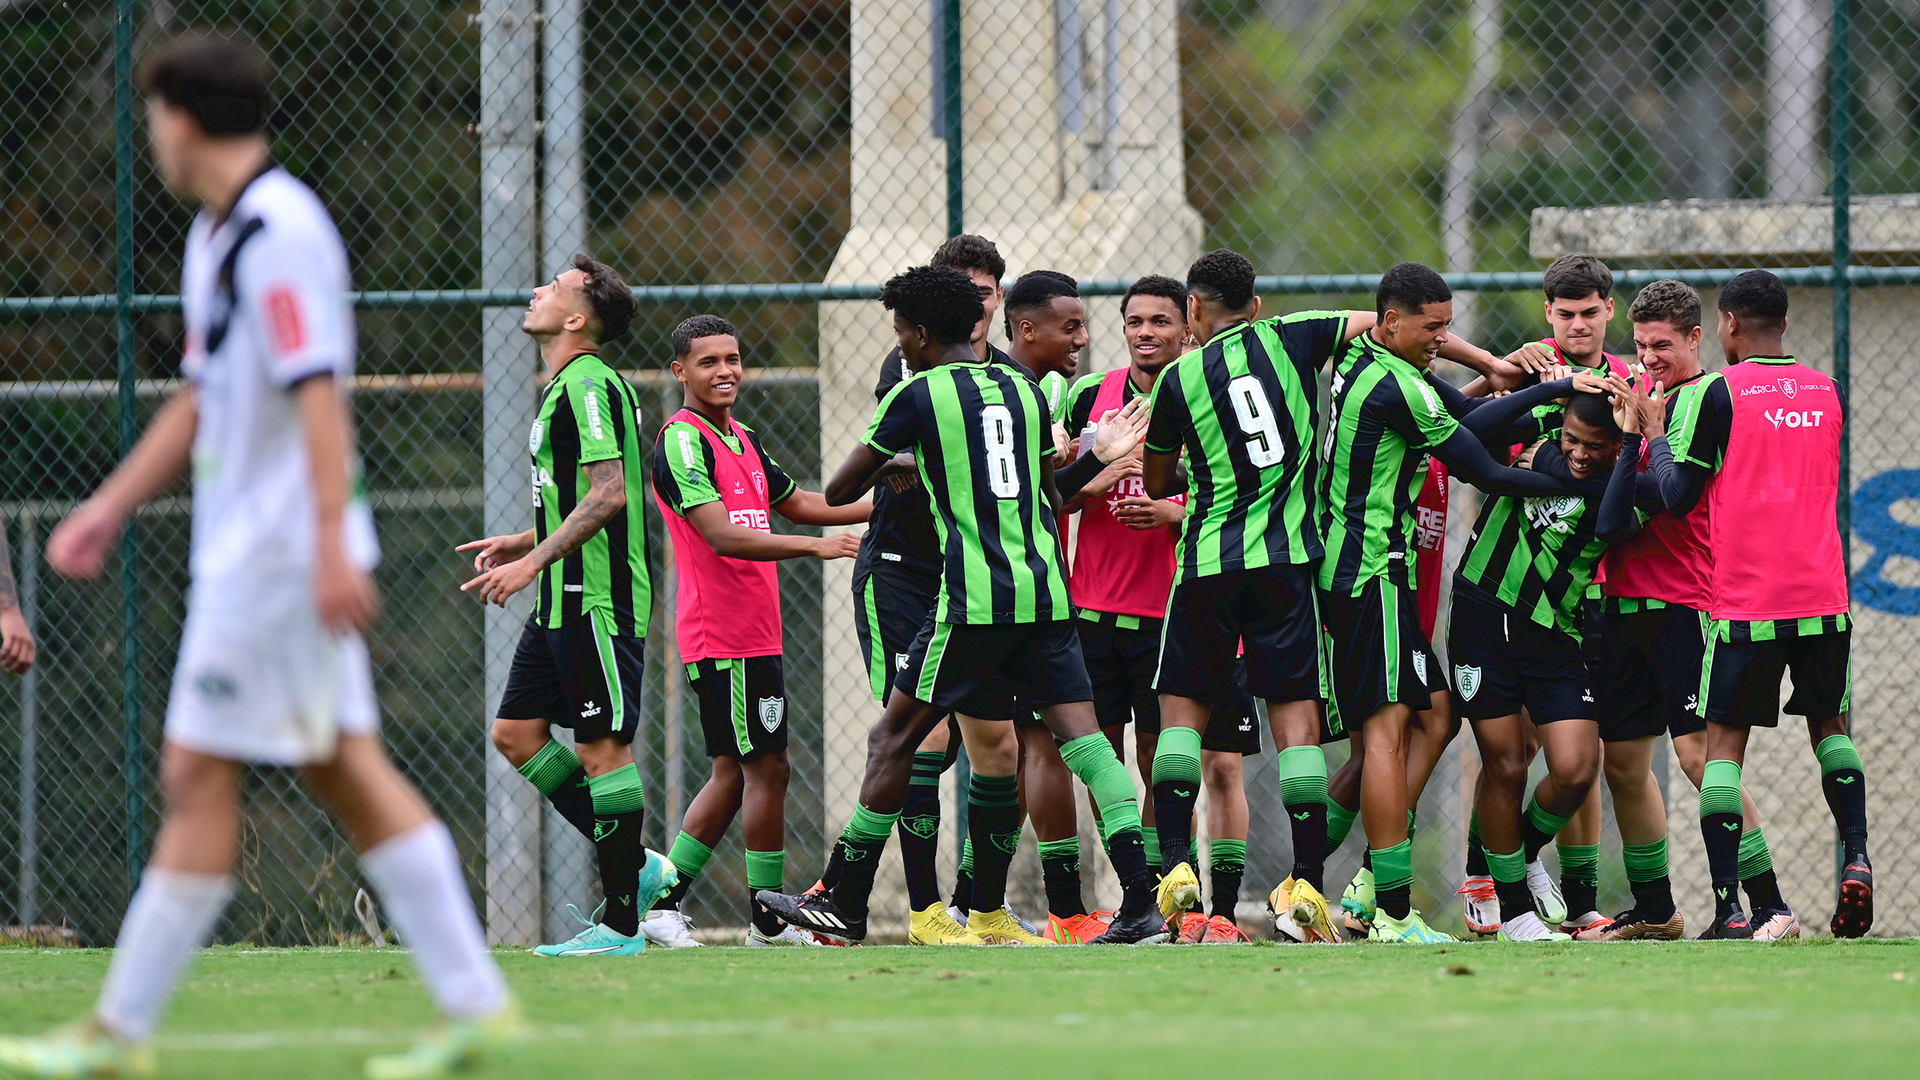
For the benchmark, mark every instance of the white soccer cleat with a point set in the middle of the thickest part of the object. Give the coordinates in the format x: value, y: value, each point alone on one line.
x: 1482, y: 906
x: 1546, y: 893
x: 1527, y: 926
x: 669, y: 929
x: 1576, y: 923
x: 786, y: 938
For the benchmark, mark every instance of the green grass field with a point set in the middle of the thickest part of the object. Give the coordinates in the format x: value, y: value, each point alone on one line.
x: 1471, y: 1010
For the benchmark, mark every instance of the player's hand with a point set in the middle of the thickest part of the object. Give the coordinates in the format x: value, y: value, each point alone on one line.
x: 498, y: 550
x: 79, y: 545
x: 1653, y: 412
x: 1060, y: 442
x: 1120, y: 431
x: 1588, y: 384
x: 1533, y: 358
x: 838, y: 546
x: 16, y: 642
x: 497, y: 585
x: 1070, y: 455
x: 1503, y: 376
x: 1525, y: 460
x: 1141, y: 513
x: 343, y: 593
x: 1112, y: 474
x: 1626, y: 407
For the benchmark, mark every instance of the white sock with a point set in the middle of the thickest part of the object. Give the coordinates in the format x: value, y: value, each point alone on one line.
x: 417, y: 875
x: 171, y: 917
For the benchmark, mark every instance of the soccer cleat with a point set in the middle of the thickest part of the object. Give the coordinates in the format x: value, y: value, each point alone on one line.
x: 77, y: 1050
x: 597, y: 939
x: 455, y: 1046
x: 1774, y: 924
x: 1853, y: 914
x: 1576, y: 923
x: 1000, y: 927
x: 1547, y: 901
x: 788, y: 937
x: 668, y: 929
x: 933, y: 926
x: 1193, y: 927
x: 1179, y: 891
x: 1301, y: 913
x: 1146, y: 928
x: 816, y: 912
x: 1482, y: 906
x: 1357, y: 902
x: 1731, y: 927
x: 1412, y: 930
x: 1075, y: 929
x: 658, y: 876
x: 1527, y: 926
x: 1629, y: 926
x: 1224, y: 931
x: 1025, y: 923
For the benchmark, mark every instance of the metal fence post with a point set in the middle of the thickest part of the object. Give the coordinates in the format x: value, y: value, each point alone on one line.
x: 953, y: 105
x: 131, y: 767
x: 1841, y: 125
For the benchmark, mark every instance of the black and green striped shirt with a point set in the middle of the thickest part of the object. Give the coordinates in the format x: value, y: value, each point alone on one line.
x: 589, y: 413
x: 1384, y: 417
x: 979, y: 433
x: 1536, y: 556
x: 1244, y: 408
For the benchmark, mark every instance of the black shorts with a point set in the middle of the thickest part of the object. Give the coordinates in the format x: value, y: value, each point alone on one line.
x: 1120, y: 663
x: 889, y: 610
x: 1376, y: 655
x: 1646, y: 680
x: 1269, y: 612
x: 995, y: 671
x: 1741, y: 679
x: 743, y: 705
x: 1503, y: 660
x: 580, y: 677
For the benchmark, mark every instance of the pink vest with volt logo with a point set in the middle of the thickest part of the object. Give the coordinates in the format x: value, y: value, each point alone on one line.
x: 1776, y: 544
x: 725, y: 608
x: 1119, y: 570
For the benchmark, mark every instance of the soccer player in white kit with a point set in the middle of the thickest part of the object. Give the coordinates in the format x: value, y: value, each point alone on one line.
x: 272, y: 667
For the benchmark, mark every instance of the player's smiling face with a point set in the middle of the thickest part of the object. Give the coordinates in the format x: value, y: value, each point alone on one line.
x: 1416, y: 336
x: 1156, y: 330
x: 1669, y: 356
x: 1055, y: 335
x: 1580, y: 326
x: 712, y: 371
x: 1589, y: 449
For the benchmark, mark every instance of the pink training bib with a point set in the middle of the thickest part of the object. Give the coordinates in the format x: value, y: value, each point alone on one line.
x: 726, y: 608
x: 1119, y: 570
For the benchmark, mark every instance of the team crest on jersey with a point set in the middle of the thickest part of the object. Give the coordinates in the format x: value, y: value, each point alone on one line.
x: 1467, y: 679
x: 1551, y: 513
x: 759, y: 483
x: 773, y: 712
x: 1789, y: 387
x: 1420, y: 665
x: 533, y: 439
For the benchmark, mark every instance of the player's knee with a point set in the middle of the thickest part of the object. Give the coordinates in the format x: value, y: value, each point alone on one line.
x: 1221, y: 772
x: 1506, y: 769
x: 1579, y: 774
x: 1626, y: 775
x: 767, y: 771
x: 517, y: 740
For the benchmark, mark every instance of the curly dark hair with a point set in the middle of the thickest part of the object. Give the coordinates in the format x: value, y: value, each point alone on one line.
x: 1594, y: 410
x: 1224, y: 277
x: 969, y: 252
x: 1408, y: 287
x: 940, y: 298
x: 1667, y: 301
x: 700, y: 326
x: 1034, y: 290
x: 1757, y: 297
x: 1576, y: 277
x: 609, y: 299
x: 222, y: 81
x: 1156, y: 285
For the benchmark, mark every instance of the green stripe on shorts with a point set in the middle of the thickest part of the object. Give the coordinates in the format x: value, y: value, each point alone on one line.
x: 741, y: 737
x: 877, y: 649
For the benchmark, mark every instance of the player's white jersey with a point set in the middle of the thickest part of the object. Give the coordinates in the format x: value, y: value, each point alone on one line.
x: 265, y: 298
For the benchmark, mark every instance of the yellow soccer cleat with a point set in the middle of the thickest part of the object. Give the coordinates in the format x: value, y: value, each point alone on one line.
x: 77, y: 1050
x: 934, y: 926
x: 453, y: 1046
x: 1309, y: 911
x: 999, y: 927
x: 1179, y: 892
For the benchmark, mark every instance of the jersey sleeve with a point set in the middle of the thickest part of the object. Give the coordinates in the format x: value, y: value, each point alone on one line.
x: 1077, y: 411
x: 893, y: 371
x: 1170, y: 419
x: 1415, y: 411
x: 780, y: 486
x: 591, y: 400
x: 1053, y: 388
x: 682, y: 471
x: 1310, y: 338
x: 1698, y: 430
x: 896, y: 423
x: 292, y: 280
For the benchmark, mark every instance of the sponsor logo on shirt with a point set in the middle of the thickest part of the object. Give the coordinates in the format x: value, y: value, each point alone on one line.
x: 1550, y: 514
x: 533, y: 439
x: 284, y: 321
x: 1793, y: 418
x: 594, y: 426
x: 1431, y: 525
x: 751, y: 519
x: 217, y: 686
x: 1785, y: 385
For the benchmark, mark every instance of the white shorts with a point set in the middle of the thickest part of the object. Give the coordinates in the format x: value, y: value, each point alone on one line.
x: 260, y: 681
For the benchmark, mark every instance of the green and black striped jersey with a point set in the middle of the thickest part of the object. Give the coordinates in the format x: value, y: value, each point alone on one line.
x: 1384, y: 416
x: 1536, y: 556
x: 1244, y: 408
x: 979, y: 433
x: 589, y: 413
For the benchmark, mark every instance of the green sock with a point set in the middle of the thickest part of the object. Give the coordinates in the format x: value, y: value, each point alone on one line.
x: 619, y: 810
x: 966, y: 855
x: 1303, y: 795
x: 558, y: 774
x: 689, y: 856
x: 1091, y: 758
x: 1547, y: 823
x: 1510, y: 867
x: 1837, y: 752
x: 1537, y: 827
x: 1509, y: 871
x: 1721, y: 818
x: 1755, y: 857
x: 1844, y: 782
x: 1645, y: 862
x: 1151, y: 839
x: 765, y: 870
x: 1339, y: 823
x: 861, y: 843
x: 1227, y: 867
x: 1720, y: 788
x: 1393, y: 878
x: 1176, y: 788
x: 1580, y: 876
x: 1060, y: 873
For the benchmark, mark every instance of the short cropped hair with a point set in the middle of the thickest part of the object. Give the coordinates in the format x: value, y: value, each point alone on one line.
x: 1594, y: 410
x: 1673, y: 302
x: 608, y: 298
x: 1408, y: 287
x: 1576, y: 277
x: 700, y: 326
x: 1034, y: 290
x: 1757, y: 297
x: 222, y: 82
x: 1223, y: 276
x: 969, y: 252
x: 940, y: 298
x: 1157, y: 285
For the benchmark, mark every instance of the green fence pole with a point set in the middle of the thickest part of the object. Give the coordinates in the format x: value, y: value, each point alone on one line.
x: 952, y: 103
x: 131, y: 767
x: 1840, y: 123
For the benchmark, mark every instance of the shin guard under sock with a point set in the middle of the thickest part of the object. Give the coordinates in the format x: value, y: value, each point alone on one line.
x: 1227, y: 866
x: 1060, y: 870
x: 1720, y: 821
x: 1476, y: 852
x: 1303, y: 792
x: 993, y: 821
x: 1537, y: 827
x: 619, y: 809
x: 689, y: 856
x: 919, y: 831
x: 1150, y: 843
x: 861, y: 843
x: 1845, y: 786
x: 1393, y: 879
x: 556, y: 771
x: 1648, y: 877
x: 1339, y: 823
x: 1756, y: 872
x: 765, y: 870
x: 1176, y: 788
x: 1580, y: 877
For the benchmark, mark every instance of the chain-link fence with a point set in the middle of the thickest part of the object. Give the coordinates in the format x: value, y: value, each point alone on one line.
x: 772, y: 160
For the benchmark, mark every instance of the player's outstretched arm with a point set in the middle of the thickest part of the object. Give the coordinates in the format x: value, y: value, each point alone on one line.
x: 79, y: 545
x: 343, y: 592
x: 1118, y: 433
x: 1468, y: 460
x: 739, y: 542
x: 606, y: 496
x: 1506, y: 420
x: 863, y: 466
x: 16, y: 639
x: 812, y: 508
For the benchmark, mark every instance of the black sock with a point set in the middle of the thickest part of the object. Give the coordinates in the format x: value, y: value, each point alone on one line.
x: 764, y: 920
x: 1581, y: 896
x: 1515, y: 898
x: 963, y: 891
x: 1476, y: 854
x: 861, y: 844
x: 1366, y: 859
x: 1060, y: 870
x: 836, y: 863
x: 1127, y: 850
x: 1763, y: 891
x: 1396, y: 901
x: 1653, y: 900
x: 1309, y: 823
x: 619, y: 810
x: 1228, y: 869
x: 1846, y: 792
x: 574, y: 799
x: 993, y: 820
x: 919, y: 831
x: 1721, y: 833
x: 1173, y: 802
x: 1531, y: 838
x: 671, y: 901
